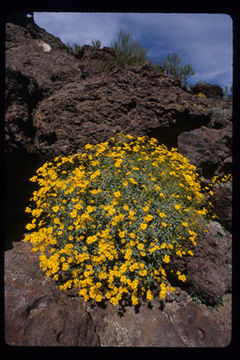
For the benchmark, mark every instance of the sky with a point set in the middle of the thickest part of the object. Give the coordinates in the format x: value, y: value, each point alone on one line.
x: 202, y: 40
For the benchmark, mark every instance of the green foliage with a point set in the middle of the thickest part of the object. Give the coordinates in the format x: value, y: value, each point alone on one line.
x: 172, y: 63
x: 96, y: 44
x: 109, y: 221
x: 127, y: 51
x: 74, y: 48
x: 227, y: 93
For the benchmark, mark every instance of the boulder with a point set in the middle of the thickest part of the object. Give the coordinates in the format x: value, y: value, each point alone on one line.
x: 36, y: 312
x: 135, y: 101
x: 209, y: 271
x: 209, y: 90
x: 208, y: 149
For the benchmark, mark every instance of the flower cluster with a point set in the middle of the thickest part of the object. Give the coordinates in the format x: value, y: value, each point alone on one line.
x: 108, y: 221
x: 227, y: 178
x: 202, y: 95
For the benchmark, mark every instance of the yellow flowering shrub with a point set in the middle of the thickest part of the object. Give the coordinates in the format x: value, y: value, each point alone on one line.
x: 109, y: 221
x: 202, y: 95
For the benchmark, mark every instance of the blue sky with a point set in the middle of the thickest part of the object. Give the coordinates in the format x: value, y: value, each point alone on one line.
x: 202, y: 40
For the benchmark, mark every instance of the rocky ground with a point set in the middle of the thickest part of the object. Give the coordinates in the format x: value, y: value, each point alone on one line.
x: 37, y: 313
x: 56, y: 103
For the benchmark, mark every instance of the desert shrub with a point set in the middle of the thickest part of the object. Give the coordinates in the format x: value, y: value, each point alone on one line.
x: 227, y: 93
x: 172, y: 63
x: 221, y: 113
x: 74, y: 48
x: 127, y: 51
x: 109, y: 221
x: 96, y: 44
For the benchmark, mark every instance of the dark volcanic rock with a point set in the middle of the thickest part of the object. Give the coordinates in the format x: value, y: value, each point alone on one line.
x: 21, y: 96
x: 34, y: 52
x: 209, y: 271
x: 209, y: 149
x: 179, y: 324
x: 37, y: 313
x: 222, y: 202
x: 135, y: 101
x: 94, y: 61
x: 210, y: 90
x: 86, y: 99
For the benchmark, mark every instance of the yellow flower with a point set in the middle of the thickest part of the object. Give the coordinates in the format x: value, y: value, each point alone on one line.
x: 95, y: 162
x: 91, y: 239
x: 143, y: 226
x: 133, y: 181
x: 118, y: 162
x: 30, y: 226
x: 131, y: 213
x: 181, y: 277
x: 149, y: 295
x: 177, y: 207
x: 55, y: 208
x: 164, y: 224
x: 95, y: 191
x: 88, y: 146
x: 140, y: 246
x: 185, y: 224
x: 148, y: 217
x: 114, y: 301
x: 117, y: 194
x: 134, y: 300
x: 73, y: 214
x: 162, y: 214
x: 65, y: 266
x: 90, y: 209
x: 122, y: 234
x: 166, y: 259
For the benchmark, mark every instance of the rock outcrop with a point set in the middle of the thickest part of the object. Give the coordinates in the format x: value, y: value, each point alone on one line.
x: 209, y: 90
x: 209, y: 272
x: 37, y: 313
x: 74, y: 100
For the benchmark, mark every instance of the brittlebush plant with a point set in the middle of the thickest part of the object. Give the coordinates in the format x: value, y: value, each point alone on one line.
x: 108, y: 222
